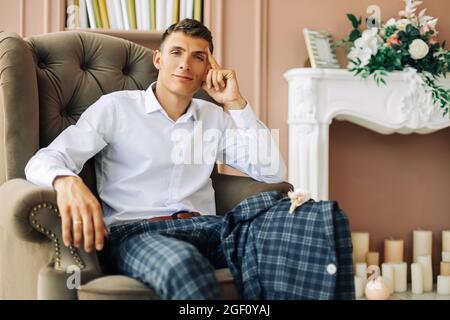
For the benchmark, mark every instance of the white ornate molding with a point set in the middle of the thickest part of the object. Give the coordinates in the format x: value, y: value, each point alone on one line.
x: 317, y: 96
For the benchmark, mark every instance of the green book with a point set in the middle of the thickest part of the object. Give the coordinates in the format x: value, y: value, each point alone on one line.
x: 131, y: 5
x: 198, y: 10
x: 98, y: 19
x: 153, y: 15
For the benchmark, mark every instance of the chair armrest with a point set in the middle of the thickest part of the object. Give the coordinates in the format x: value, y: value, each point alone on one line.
x: 230, y: 190
x: 19, y: 198
x: 31, y: 213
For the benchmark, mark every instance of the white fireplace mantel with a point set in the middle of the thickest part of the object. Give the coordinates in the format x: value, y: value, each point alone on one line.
x: 317, y: 96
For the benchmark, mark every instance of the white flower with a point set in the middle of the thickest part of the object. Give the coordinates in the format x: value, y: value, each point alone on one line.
x: 418, y: 49
x: 401, y: 24
x: 298, y: 198
x: 390, y: 22
x: 410, y: 8
x: 363, y: 54
x: 366, y: 46
x: 429, y: 21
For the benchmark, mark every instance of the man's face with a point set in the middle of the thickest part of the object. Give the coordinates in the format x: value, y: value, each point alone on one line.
x: 182, y: 63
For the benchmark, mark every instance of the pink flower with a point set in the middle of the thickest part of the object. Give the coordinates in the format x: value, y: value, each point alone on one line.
x: 393, y: 40
x: 433, y: 40
x: 427, y: 28
x: 424, y: 29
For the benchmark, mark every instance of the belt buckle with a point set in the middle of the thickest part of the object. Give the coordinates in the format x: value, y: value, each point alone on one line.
x: 175, y: 215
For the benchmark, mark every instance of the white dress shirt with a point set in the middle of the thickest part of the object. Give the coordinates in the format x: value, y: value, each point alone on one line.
x: 148, y: 165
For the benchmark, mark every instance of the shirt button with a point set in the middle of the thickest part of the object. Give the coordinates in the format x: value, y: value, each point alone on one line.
x: 331, y: 268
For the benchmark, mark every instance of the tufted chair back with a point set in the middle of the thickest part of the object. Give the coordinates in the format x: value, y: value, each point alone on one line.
x: 72, y: 71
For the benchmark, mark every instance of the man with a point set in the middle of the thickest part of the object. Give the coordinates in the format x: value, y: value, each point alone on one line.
x: 147, y: 170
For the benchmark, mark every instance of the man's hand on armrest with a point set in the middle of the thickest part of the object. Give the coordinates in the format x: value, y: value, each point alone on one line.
x: 81, y: 213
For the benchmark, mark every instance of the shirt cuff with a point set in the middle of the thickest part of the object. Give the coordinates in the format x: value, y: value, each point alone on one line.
x: 244, y: 118
x: 57, y: 173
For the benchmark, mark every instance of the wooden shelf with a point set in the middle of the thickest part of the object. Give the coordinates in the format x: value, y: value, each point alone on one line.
x: 132, y: 35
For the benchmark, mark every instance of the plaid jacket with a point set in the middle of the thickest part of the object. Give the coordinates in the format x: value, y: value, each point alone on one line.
x: 274, y: 254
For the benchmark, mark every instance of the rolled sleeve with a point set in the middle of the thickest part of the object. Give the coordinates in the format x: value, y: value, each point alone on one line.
x: 244, y: 118
x: 249, y: 147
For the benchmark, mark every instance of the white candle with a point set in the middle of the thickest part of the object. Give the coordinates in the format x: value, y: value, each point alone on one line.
x: 361, y: 270
x: 387, y: 270
x: 446, y: 256
x: 443, y: 285
x: 427, y: 271
x: 400, y: 276
x: 416, y: 278
x: 422, y: 243
x: 445, y: 268
x: 359, y: 287
x: 446, y: 240
x: 360, y: 242
x: 393, y: 250
x: 373, y: 258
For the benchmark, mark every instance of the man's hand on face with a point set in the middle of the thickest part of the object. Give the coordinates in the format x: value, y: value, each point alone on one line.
x: 222, y: 86
x: 81, y: 214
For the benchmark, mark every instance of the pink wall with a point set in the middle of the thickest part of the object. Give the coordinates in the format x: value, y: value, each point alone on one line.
x: 39, y: 16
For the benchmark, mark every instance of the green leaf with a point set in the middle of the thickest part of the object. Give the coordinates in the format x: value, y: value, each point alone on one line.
x: 355, y: 34
x: 353, y: 20
x: 412, y: 31
x: 389, y: 31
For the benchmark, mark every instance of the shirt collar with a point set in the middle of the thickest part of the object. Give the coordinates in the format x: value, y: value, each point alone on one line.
x: 152, y: 104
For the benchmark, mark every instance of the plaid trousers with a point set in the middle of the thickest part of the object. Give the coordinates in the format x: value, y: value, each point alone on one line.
x: 271, y: 253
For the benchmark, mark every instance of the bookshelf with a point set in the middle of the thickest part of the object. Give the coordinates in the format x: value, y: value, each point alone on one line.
x: 146, y: 38
x: 135, y: 36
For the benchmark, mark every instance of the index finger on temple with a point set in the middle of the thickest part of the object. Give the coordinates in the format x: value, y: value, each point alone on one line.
x: 212, y: 61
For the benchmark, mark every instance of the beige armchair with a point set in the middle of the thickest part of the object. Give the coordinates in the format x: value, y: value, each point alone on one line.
x: 46, y: 82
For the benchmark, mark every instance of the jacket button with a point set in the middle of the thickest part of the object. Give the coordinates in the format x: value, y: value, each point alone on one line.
x: 331, y: 268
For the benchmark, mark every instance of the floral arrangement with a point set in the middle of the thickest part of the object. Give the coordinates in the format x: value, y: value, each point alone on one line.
x: 407, y: 42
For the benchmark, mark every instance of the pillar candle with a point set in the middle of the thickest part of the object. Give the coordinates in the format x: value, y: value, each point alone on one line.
x: 360, y: 242
x: 416, y: 278
x: 446, y: 256
x: 443, y: 285
x: 359, y: 287
x: 361, y: 270
x: 427, y: 271
x: 373, y: 258
x: 387, y: 270
x: 446, y: 240
x: 445, y: 268
x: 393, y: 250
x: 422, y: 243
x: 400, y: 276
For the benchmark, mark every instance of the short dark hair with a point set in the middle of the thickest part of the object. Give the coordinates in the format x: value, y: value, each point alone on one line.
x: 191, y: 28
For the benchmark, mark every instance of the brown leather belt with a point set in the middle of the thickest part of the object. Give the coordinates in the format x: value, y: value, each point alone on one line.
x: 176, y: 215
